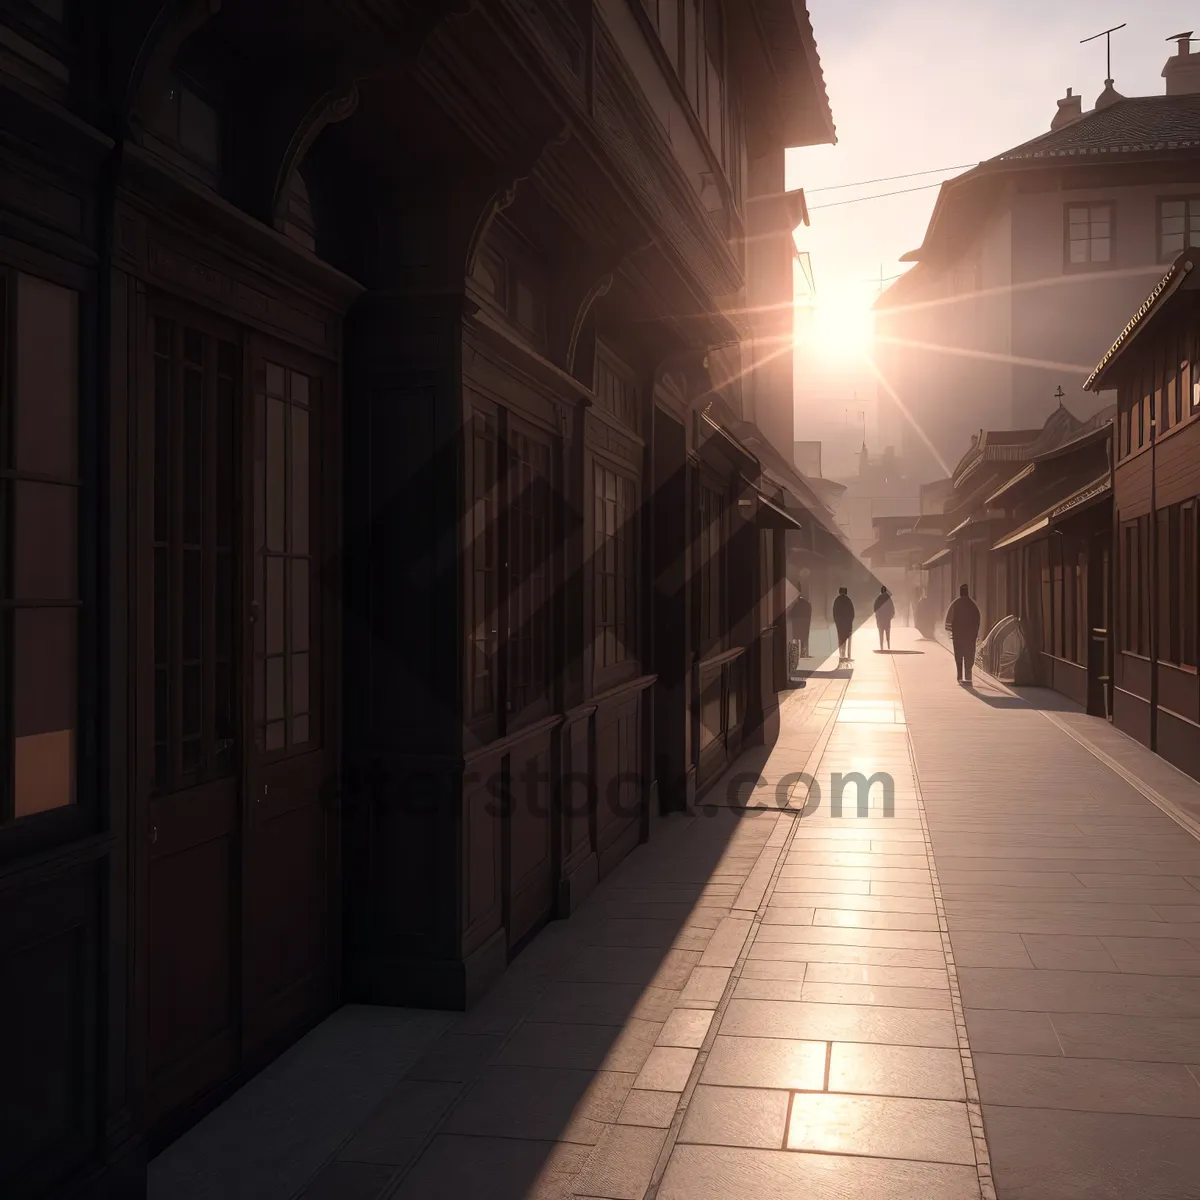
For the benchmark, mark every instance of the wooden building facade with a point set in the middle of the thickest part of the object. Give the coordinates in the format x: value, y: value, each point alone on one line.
x: 1156, y: 491
x: 376, y: 558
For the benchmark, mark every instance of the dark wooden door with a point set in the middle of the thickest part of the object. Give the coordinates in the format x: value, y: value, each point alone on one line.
x: 193, y: 886
x: 240, y: 903
x: 291, y: 739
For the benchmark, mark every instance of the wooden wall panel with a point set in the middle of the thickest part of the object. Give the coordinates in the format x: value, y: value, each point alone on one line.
x: 618, y: 780
x: 1134, y: 675
x: 1131, y: 715
x: 576, y: 796
x: 1179, y: 742
x: 48, y: 1030
x: 1177, y: 466
x: 1179, y: 690
x: 1071, y: 680
x: 1131, y: 494
x: 482, y: 854
x: 529, y: 871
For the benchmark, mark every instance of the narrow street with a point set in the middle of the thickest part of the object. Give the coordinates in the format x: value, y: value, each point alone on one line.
x: 992, y: 991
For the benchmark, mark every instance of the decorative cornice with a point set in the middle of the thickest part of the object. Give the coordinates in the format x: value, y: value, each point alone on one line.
x: 1179, y: 269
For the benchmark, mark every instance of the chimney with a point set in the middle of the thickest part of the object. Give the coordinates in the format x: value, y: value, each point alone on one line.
x: 1182, y: 71
x: 1070, y: 109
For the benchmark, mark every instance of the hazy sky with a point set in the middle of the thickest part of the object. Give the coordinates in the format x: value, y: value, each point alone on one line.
x: 916, y: 84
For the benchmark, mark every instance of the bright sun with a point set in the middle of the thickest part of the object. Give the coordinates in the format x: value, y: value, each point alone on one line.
x: 838, y: 327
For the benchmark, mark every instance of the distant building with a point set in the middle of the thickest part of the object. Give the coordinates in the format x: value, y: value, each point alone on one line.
x: 1031, y: 264
x: 1027, y: 525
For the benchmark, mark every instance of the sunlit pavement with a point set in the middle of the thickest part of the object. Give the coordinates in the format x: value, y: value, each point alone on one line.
x: 994, y: 989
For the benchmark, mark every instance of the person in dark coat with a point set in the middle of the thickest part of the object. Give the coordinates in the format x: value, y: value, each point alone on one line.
x: 885, y: 614
x: 843, y: 620
x: 962, y: 621
x: 803, y: 622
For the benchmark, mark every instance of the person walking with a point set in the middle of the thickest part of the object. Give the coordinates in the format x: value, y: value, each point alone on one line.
x: 885, y: 614
x: 803, y: 621
x: 843, y: 620
x: 962, y: 621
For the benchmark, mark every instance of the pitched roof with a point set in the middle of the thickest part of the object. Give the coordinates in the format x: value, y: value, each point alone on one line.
x: 1134, y: 125
x: 1163, y: 290
x: 1130, y: 128
x: 792, y: 48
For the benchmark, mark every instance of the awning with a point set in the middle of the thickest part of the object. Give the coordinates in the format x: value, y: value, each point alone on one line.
x: 772, y: 515
x: 1079, y: 500
x: 1024, y: 473
x: 1026, y: 531
x: 1084, y: 498
x: 940, y: 556
x: 731, y: 441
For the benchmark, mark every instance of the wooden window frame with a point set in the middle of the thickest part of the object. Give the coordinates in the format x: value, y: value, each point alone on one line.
x: 713, y: 512
x: 1167, y: 585
x: 1089, y: 263
x: 40, y: 831
x: 618, y: 389
x: 1128, y: 558
x: 528, y: 590
x: 482, y: 568
x: 1189, y: 199
x: 1189, y: 583
x: 626, y: 555
x: 171, y: 544
x: 318, y: 652
x: 518, y: 265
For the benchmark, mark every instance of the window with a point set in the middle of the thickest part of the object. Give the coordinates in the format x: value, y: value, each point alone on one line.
x: 482, y: 550
x: 1167, y: 649
x: 284, y: 415
x: 529, y: 553
x: 1178, y: 225
x: 194, y: 556
x: 1189, y: 614
x: 713, y: 112
x: 39, y: 545
x: 190, y: 124
x: 512, y: 285
x: 1089, y: 234
x: 1080, y: 608
x: 616, y: 389
x: 1142, y: 583
x: 1057, y: 581
x: 1047, y: 621
x: 615, y: 578
x: 1130, y: 590
x: 712, y: 566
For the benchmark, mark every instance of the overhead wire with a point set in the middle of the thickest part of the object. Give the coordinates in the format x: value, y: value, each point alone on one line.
x: 888, y: 178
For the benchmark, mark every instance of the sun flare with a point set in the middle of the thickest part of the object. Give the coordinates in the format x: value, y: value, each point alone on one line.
x: 837, y: 326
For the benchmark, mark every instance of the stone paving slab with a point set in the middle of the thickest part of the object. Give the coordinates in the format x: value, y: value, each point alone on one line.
x: 1065, y: 884
x: 981, y: 981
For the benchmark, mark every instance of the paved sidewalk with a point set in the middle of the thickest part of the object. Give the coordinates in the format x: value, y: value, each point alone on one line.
x: 992, y: 988
x: 1073, y: 904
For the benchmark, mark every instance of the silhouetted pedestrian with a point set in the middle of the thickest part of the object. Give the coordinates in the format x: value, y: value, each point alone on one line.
x: 962, y: 620
x: 843, y: 620
x: 885, y: 613
x: 803, y: 622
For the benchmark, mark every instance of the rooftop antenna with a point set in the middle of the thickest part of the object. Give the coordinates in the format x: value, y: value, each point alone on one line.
x: 1107, y: 36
